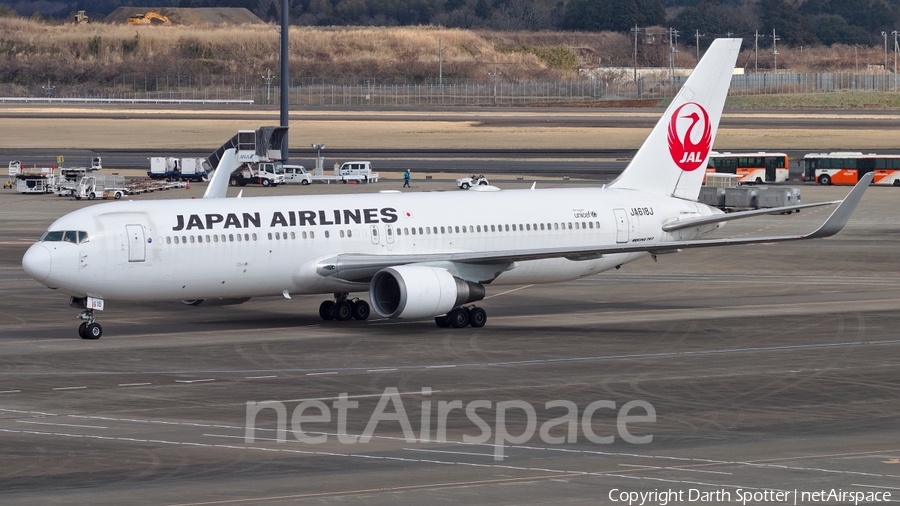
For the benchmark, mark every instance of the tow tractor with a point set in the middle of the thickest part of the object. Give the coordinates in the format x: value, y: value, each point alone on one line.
x: 467, y: 182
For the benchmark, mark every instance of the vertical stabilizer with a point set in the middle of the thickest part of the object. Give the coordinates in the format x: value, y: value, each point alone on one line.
x: 218, y: 183
x: 673, y: 159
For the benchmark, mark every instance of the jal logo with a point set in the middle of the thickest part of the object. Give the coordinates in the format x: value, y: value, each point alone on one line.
x: 690, y: 136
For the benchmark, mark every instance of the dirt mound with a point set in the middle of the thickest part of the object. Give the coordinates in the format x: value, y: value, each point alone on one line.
x: 184, y: 16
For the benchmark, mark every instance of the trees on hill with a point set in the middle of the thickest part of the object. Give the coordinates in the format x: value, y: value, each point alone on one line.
x: 796, y: 22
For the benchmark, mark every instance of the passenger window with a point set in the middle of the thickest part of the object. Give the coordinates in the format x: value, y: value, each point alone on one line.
x: 230, y: 237
x: 207, y: 238
x: 598, y: 224
x: 492, y: 229
x: 184, y: 239
x: 342, y: 233
x: 542, y: 226
x: 471, y: 229
x: 277, y: 236
x: 478, y: 228
x: 507, y: 227
x: 457, y: 230
x: 528, y: 226
x: 176, y: 239
x: 442, y: 230
x: 168, y: 240
x: 304, y: 235
x: 349, y: 233
x: 312, y: 235
x: 199, y: 238
x: 556, y: 226
x: 216, y: 238
x: 293, y: 235
x: 576, y: 225
x: 414, y: 231
x: 570, y: 225
x: 223, y: 237
x: 254, y: 237
x: 327, y: 235
x: 246, y: 237
x: 239, y: 238
x: 420, y: 230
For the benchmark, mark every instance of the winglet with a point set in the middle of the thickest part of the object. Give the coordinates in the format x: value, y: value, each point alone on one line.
x: 842, y: 214
x: 218, y: 184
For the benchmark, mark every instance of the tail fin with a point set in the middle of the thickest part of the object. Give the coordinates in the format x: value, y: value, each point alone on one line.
x: 673, y: 159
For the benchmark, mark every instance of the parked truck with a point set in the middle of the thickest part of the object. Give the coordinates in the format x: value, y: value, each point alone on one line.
x: 264, y: 173
x: 100, y: 186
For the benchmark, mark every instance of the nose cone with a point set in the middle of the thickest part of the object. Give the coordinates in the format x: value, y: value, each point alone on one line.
x: 36, y: 262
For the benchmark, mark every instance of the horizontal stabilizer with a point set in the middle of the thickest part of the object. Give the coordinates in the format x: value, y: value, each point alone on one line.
x: 719, y: 218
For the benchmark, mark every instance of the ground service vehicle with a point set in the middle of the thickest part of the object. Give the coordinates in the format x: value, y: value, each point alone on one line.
x: 847, y: 167
x: 751, y: 167
x: 264, y: 173
x: 467, y: 182
x: 296, y: 174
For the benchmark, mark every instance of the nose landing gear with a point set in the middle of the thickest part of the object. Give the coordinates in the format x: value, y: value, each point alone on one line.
x: 89, y: 328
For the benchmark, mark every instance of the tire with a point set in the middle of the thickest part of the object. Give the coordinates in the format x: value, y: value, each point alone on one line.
x: 442, y: 321
x: 477, y: 317
x: 459, y: 318
x: 897, y: 182
x: 824, y: 180
x: 343, y: 310
x: 759, y: 180
x: 483, y: 182
x: 81, y: 330
x: 93, y: 331
x: 304, y: 182
x: 91, y: 196
x: 232, y: 182
x: 118, y: 195
x: 326, y: 310
x: 361, y: 310
x: 464, y: 186
x: 267, y: 183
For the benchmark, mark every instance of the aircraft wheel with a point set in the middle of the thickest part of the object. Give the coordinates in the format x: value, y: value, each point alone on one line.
x: 81, y: 330
x: 458, y: 318
x: 361, y: 310
x: 326, y: 310
x: 442, y: 321
x: 93, y: 331
x: 343, y: 311
x: 477, y: 317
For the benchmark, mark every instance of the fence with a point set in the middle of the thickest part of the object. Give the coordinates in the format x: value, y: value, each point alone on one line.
x: 457, y: 92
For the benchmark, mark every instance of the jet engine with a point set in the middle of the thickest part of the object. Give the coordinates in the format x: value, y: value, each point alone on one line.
x: 418, y: 291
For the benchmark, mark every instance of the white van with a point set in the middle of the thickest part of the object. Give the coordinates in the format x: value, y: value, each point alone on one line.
x: 296, y: 174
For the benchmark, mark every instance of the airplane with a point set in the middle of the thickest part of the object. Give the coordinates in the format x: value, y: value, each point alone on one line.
x: 418, y: 255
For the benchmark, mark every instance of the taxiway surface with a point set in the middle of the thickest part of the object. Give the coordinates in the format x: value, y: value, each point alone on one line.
x: 769, y: 367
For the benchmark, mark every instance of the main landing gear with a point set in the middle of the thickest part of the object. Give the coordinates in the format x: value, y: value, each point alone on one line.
x: 343, y: 309
x: 462, y: 316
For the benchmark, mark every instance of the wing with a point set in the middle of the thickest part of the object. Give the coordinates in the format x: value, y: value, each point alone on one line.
x: 356, y: 267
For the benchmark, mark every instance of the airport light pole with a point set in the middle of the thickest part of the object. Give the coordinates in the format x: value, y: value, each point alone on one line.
x: 285, y: 76
x: 268, y: 78
x: 319, y: 162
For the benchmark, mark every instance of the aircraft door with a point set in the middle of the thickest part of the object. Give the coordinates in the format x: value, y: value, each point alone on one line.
x: 137, y: 245
x: 622, y: 227
x: 375, y: 235
x: 771, y: 168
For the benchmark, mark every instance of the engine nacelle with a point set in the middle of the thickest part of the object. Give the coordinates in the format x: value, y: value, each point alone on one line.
x: 417, y: 291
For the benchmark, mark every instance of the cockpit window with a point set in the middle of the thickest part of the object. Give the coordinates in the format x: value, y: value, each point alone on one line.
x: 72, y: 236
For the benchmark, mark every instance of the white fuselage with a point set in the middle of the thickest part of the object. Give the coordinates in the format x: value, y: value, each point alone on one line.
x: 248, y: 247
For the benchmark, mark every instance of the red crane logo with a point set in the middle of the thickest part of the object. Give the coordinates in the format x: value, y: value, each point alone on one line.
x: 686, y: 153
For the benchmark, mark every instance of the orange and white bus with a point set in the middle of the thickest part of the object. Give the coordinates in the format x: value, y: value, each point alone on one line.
x: 750, y: 167
x: 847, y: 167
